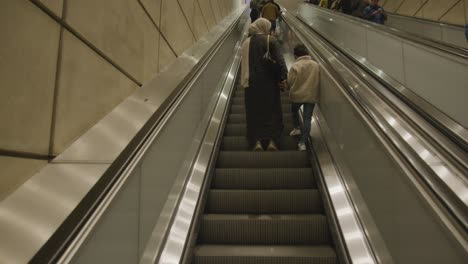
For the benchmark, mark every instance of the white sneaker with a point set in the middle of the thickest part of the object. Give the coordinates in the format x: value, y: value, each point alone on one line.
x: 302, y: 147
x: 295, y: 132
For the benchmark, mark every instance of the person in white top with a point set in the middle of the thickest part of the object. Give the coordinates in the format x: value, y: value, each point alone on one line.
x: 303, y: 83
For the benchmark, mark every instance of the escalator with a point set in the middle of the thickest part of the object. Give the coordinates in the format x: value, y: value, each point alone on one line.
x: 262, y: 207
x: 194, y: 192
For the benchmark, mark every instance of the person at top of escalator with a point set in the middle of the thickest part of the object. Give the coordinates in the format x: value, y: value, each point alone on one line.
x: 254, y: 10
x: 303, y: 83
x: 323, y: 3
x: 358, y: 7
x: 374, y: 12
x: 271, y: 12
x: 262, y: 79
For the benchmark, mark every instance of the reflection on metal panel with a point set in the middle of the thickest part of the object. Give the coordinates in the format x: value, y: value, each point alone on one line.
x: 30, y: 215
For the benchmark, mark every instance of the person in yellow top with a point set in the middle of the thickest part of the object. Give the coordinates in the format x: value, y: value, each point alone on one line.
x: 323, y: 3
x: 271, y: 12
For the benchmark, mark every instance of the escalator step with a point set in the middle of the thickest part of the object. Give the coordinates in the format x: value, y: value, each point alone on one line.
x: 270, y: 254
x: 241, y: 119
x: 278, y: 178
x: 240, y: 109
x: 264, y: 229
x: 241, y: 129
x: 264, y: 202
x: 248, y: 159
x: 241, y: 143
x: 240, y: 100
x: 242, y: 95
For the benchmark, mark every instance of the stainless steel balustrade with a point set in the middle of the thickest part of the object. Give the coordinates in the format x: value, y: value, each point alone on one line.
x: 423, y: 71
x: 80, y: 188
x: 437, y: 31
x: 136, y: 222
x: 399, y: 202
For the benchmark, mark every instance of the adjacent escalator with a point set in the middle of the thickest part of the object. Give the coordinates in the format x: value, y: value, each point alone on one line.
x: 263, y: 207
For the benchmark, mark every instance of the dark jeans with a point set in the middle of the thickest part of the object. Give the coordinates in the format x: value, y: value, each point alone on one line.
x: 307, y: 115
x: 273, y: 25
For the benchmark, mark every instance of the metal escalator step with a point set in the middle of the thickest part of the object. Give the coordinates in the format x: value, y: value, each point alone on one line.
x: 240, y: 100
x: 278, y: 178
x: 264, y: 202
x: 241, y: 119
x: 242, y: 95
x: 277, y: 159
x: 264, y: 229
x: 268, y: 254
x: 241, y: 129
x: 240, y: 109
x: 242, y: 144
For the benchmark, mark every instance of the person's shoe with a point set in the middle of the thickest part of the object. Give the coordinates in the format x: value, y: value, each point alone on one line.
x: 302, y: 147
x: 258, y: 147
x: 272, y: 146
x: 295, y: 132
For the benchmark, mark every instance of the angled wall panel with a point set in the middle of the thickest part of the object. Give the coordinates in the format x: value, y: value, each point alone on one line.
x: 207, y: 12
x: 173, y: 18
x: 89, y: 88
x: 153, y: 7
x: 456, y: 15
x: 55, y: 6
x: 28, y: 60
x: 121, y: 30
x: 195, y: 18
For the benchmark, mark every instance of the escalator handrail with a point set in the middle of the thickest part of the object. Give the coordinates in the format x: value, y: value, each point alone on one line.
x: 451, y: 206
x: 454, y: 130
x: 438, y: 45
x: 73, y: 234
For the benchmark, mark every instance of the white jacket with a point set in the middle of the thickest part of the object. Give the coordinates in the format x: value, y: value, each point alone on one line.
x: 304, y: 80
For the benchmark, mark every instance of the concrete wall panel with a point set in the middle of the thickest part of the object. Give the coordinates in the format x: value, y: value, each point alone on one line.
x: 15, y: 171
x: 89, y: 88
x: 216, y: 10
x: 195, y: 18
x: 172, y: 18
x: 207, y: 11
x: 120, y: 29
x: 56, y: 6
x: 435, y: 9
x: 410, y: 7
x: 166, y: 56
x: 456, y: 15
x: 153, y: 7
x: 449, y: 11
x: 28, y: 58
x: 392, y: 5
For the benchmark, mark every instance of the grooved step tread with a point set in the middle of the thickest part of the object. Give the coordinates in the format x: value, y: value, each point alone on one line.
x: 249, y: 159
x: 240, y: 109
x: 264, y: 178
x: 242, y: 144
x: 264, y: 202
x: 264, y: 229
x: 241, y: 129
x: 263, y: 254
x: 241, y: 119
x: 241, y: 100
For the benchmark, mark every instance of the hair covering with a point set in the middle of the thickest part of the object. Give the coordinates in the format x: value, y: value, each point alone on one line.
x: 260, y: 26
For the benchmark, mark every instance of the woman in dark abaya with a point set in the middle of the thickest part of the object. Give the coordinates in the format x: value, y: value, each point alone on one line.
x: 262, y: 94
